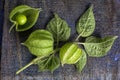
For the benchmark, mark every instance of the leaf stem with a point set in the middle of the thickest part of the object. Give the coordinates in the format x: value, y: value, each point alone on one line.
x: 23, y: 68
x: 34, y: 61
x: 79, y: 43
x: 12, y: 27
x: 29, y: 64
x: 78, y: 37
x: 56, y: 50
x: 57, y: 44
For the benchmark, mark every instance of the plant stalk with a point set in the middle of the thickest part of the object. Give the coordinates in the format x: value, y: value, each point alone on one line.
x: 77, y: 37
x: 79, y: 43
x: 29, y: 64
x: 33, y: 62
x: 12, y: 27
x: 23, y: 68
x: 57, y: 44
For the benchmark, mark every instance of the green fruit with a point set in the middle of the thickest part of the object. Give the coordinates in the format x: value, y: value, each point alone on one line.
x: 21, y: 19
x: 40, y: 43
x: 70, y: 53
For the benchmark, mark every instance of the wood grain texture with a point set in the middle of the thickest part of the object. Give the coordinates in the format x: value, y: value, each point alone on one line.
x: 14, y: 56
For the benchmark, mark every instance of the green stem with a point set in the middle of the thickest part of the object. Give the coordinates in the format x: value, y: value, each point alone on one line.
x: 34, y: 61
x: 29, y: 64
x: 56, y: 50
x: 57, y: 44
x: 12, y: 27
x: 78, y: 37
x: 23, y: 68
x: 79, y: 43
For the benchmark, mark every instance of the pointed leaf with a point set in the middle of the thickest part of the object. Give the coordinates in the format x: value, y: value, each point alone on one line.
x: 97, y: 47
x: 86, y: 23
x: 82, y: 62
x: 49, y: 64
x: 59, y: 28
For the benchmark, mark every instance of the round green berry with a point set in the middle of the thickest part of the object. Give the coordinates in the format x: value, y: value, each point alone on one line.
x: 21, y: 19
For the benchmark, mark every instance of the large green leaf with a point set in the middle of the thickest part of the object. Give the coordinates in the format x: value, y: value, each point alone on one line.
x: 86, y: 23
x: 30, y: 13
x: 82, y: 62
x: 97, y: 47
x: 59, y: 28
x: 40, y: 43
x: 50, y: 63
x: 70, y: 53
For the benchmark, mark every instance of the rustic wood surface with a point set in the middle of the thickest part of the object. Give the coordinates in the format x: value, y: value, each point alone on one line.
x: 14, y: 56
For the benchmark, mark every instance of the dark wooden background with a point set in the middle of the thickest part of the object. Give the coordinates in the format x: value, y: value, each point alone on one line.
x: 14, y: 56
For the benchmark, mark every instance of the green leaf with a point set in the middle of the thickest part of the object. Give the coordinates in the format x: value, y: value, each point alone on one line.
x: 70, y: 53
x: 59, y: 28
x: 30, y: 13
x: 97, y: 47
x: 82, y: 62
x: 50, y: 63
x: 40, y: 43
x: 86, y: 23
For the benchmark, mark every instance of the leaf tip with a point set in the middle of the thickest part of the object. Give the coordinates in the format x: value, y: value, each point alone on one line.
x: 56, y: 15
x: 91, y: 5
x: 52, y: 71
x: 39, y: 9
x: 116, y: 37
x: 62, y: 64
x: 22, y: 44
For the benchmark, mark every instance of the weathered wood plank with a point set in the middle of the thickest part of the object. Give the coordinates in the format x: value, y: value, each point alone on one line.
x: 15, y: 56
